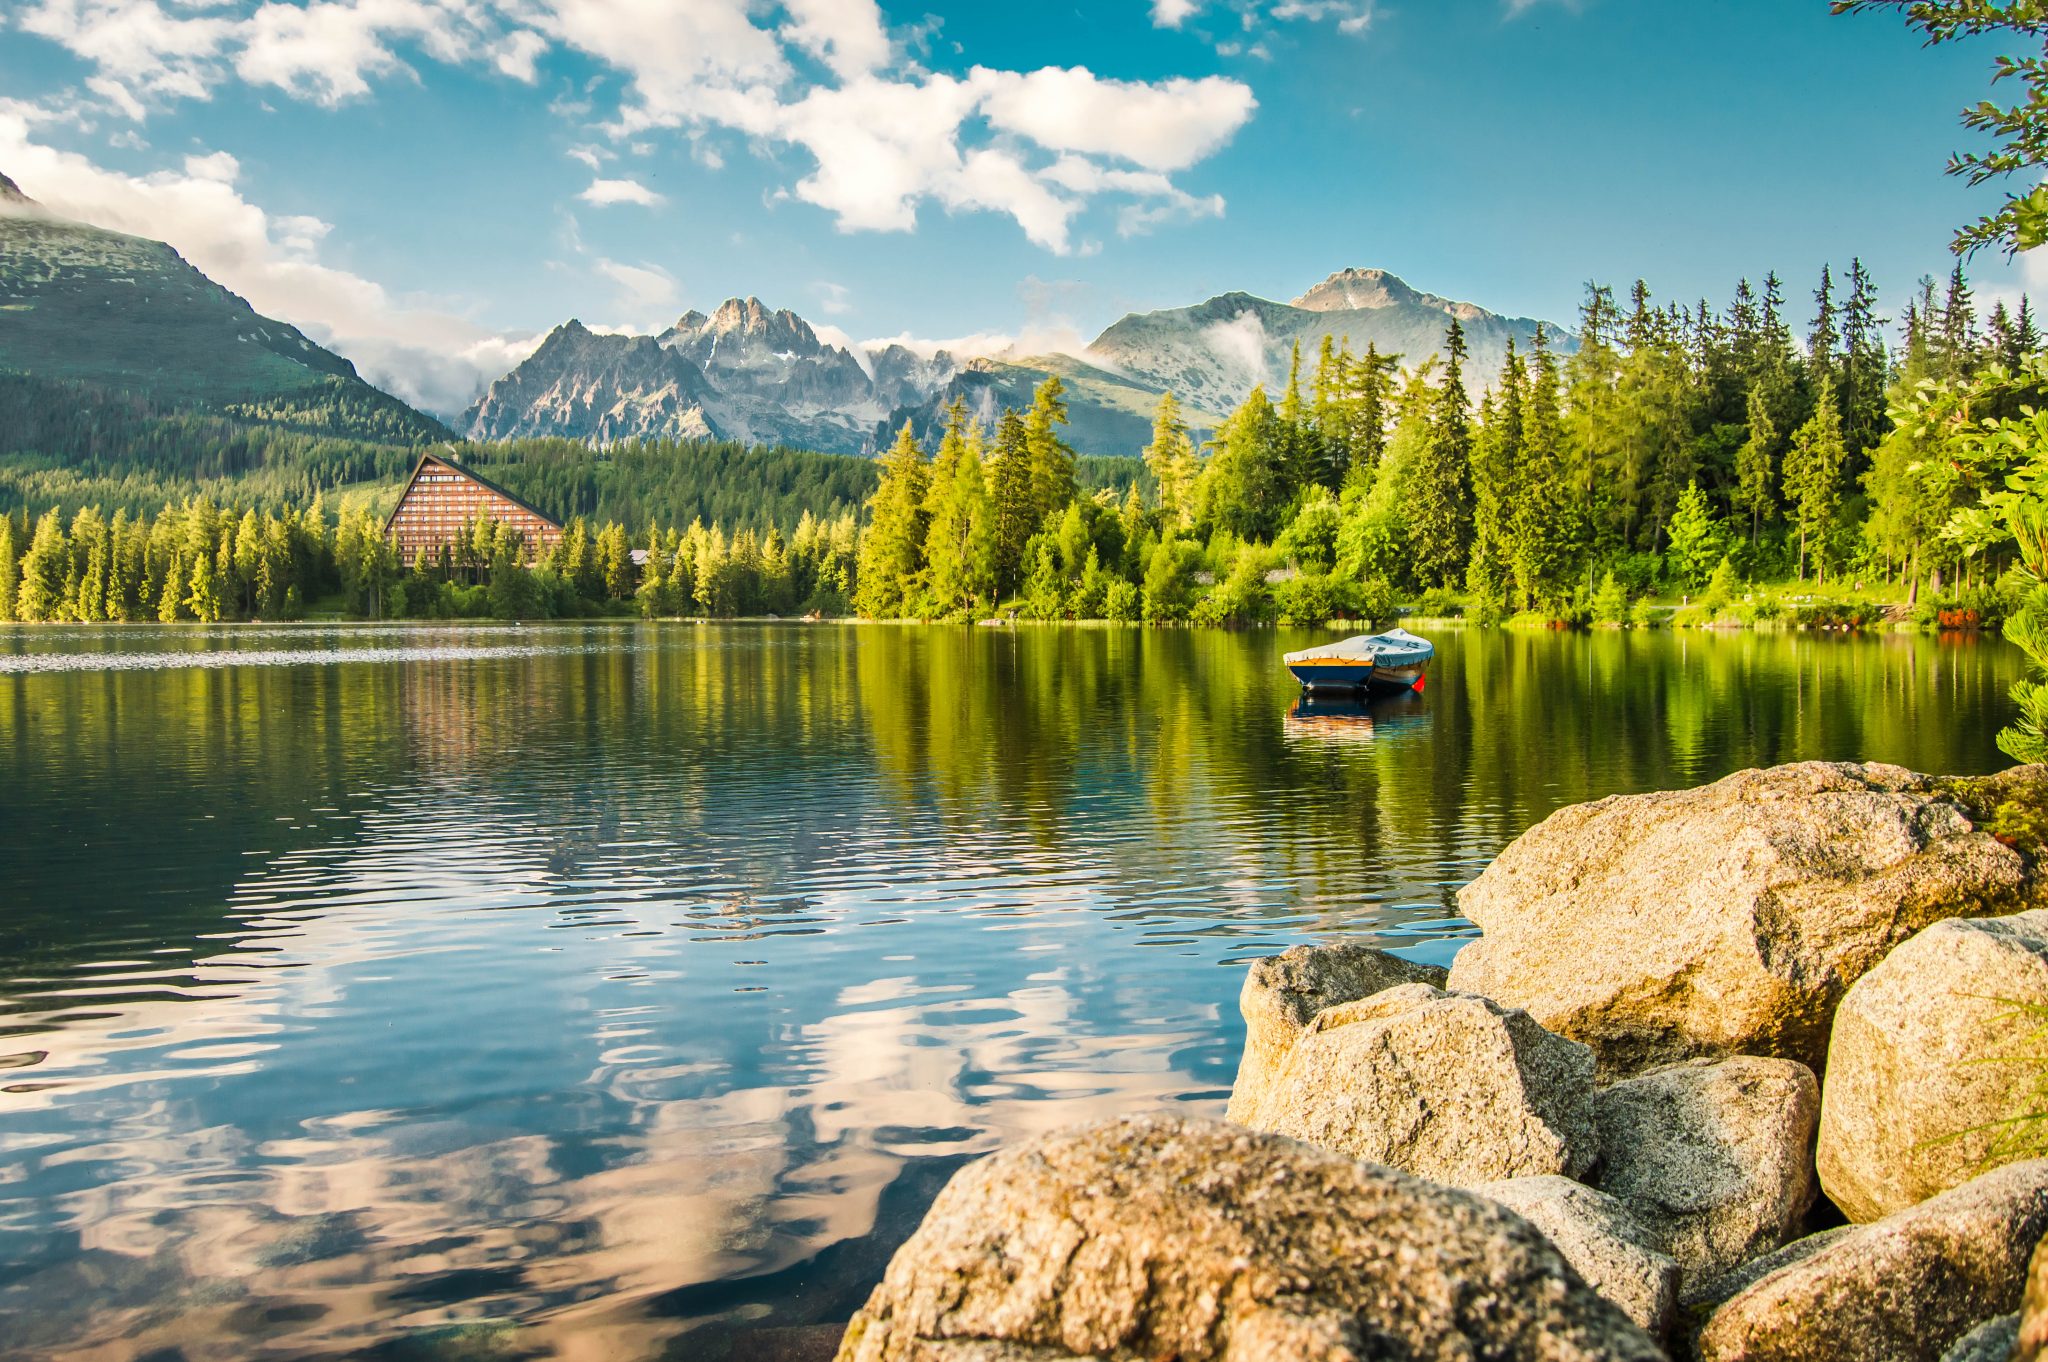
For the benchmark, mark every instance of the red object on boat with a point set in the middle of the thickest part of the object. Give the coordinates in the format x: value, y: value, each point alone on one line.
x: 1418, y: 682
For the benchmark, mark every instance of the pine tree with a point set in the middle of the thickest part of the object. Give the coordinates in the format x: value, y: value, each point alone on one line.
x: 1823, y: 338
x: 1244, y: 489
x: 615, y: 562
x: 1753, y: 464
x: 1958, y: 339
x: 1300, y: 449
x: 1052, y: 462
x: 40, y: 592
x: 1010, y: 494
x: 1547, y: 524
x: 1327, y: 414
x: 1171, y: 458
x: 1864, y: 366
x: 892, y: 548
x: 653, y: 593
x: 1813, y: 477
x: 1498, y: 467
x: 1441, y: 519
x: 1696, y: 545
x: 10, y: 568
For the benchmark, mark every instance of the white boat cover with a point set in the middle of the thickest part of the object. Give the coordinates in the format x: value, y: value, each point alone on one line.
x: 1395, y: 648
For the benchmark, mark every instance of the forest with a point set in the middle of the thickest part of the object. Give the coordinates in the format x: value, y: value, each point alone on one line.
x: 1682, y: 452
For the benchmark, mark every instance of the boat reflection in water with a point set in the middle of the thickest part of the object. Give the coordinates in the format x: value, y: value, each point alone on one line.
x: 1352, y: 717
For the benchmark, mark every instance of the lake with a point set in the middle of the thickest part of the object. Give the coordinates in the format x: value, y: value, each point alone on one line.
x: 627, y: 991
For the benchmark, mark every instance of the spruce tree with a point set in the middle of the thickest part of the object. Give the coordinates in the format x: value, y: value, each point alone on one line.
x: 1753, y: 464
x: 1441, y: 519
x: 892, y: 548
x: 1958, y: 340
x: 1246, y: 486
x: 1696, y: 545
x: 1813, y: 477
x: 1864, y: 367
x: 10, y: 568
x: 1010, y: 494
x: 1052, y: 462
x: 1824, y: 336
x: 1171, y: 459
x: 1498, y: 467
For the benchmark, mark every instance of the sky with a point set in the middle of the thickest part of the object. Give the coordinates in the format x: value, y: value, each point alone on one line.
x: 428, y: 186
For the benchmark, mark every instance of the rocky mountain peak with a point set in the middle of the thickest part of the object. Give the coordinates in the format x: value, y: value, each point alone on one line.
x: 1356, y: 290
x: 741, y: 326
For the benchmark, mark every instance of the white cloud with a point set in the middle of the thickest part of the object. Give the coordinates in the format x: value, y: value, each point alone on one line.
x: 421, y: 351
x: 883, y: 141
x: 1173, y: 13
x: 647, y: 288
x: 834, y: 299
x: 1242, y: 342
x: 1352, y: 16
x: 136, y: 47
x: 847, y: 35
x: 1165, y: 126
x: 602, y: 192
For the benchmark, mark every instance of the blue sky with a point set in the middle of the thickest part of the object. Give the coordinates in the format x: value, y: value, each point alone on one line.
x: 428, y: 184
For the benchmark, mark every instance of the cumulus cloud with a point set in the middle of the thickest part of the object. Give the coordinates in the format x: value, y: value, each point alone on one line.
x: 603, y: 192
x: 885, y: 138
x: 1172, y: 13
x: 1165, y: 126
x: 847, y: 35
x: 424, y: 353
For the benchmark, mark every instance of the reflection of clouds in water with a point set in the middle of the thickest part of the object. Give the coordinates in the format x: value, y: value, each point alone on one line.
x: 670, y: 1154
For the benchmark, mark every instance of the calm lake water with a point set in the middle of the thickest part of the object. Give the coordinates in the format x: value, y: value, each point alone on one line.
x: 625, y: 992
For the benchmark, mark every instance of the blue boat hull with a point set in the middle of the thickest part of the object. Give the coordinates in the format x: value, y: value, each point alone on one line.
x: 1356, y: 676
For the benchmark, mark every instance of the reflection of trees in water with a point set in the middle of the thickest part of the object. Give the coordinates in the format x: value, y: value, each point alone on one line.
x: 702, y: 795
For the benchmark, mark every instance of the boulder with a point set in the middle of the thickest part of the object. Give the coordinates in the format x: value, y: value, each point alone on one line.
x: 2032, y: 1343
x: 1699, y: 1296
x: 1904, y: 1289
x: 1713, y: 1157
x: 1991, y: 1341
x: 1446, y: 1086
x: 1909, y: 1111
x: 1282, y: 994
x: 1159, y: 1237
x: 1731, y: 919
x: 1601, y: 1241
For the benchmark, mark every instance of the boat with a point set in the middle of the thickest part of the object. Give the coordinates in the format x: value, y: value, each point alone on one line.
x: 1384, y: 664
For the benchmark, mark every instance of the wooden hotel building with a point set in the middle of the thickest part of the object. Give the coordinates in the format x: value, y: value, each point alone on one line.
x: 442, y: 499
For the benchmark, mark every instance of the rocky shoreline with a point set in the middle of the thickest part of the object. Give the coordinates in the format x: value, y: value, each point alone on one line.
x: 1720, y: 1080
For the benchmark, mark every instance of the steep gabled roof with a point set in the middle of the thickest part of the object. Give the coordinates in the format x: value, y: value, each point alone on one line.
x: 431, y: 456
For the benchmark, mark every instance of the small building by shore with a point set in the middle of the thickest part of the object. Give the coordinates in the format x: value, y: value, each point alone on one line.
x: 443, y: 498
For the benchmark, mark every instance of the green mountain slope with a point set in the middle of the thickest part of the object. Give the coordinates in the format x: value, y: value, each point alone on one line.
x: 82, y: 305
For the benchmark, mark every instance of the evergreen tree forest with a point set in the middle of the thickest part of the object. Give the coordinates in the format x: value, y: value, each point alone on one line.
x: 1687, y: 452
x: 1684, y: 450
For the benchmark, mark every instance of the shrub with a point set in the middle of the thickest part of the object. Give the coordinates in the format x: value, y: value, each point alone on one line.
x: 1313, y: 599
x: 1440, y: 601
x: 1121, y: 601
x: 1610, y: 602
x: 1375, y: 600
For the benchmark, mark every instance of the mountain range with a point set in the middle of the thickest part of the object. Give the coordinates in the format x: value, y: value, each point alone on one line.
x: 85, y: 306
x: 750, y: 373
